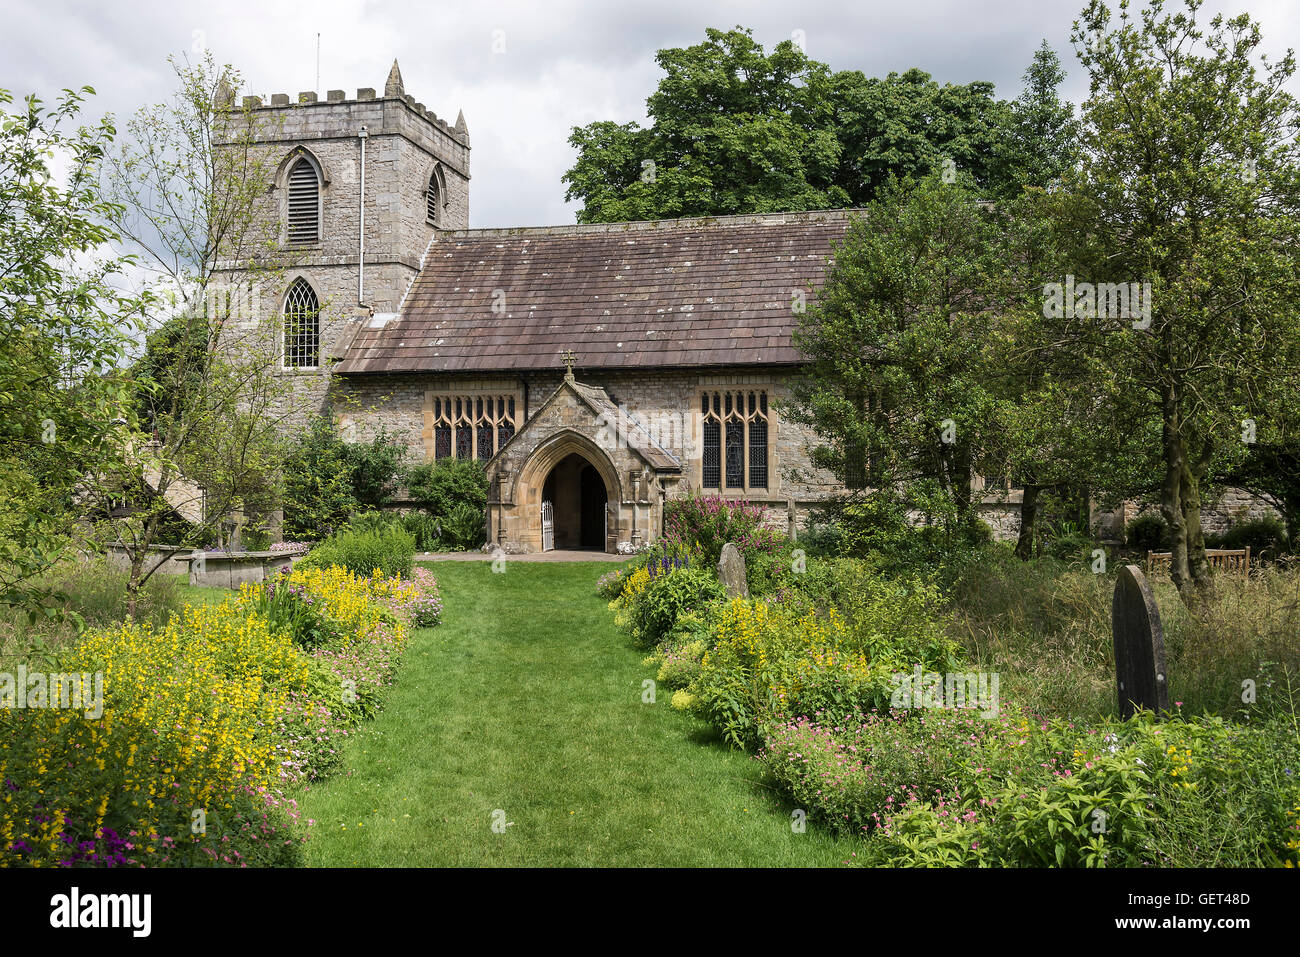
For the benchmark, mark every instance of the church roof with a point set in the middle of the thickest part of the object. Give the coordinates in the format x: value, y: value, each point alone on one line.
x: 664, y: 293
x: 630, y: 431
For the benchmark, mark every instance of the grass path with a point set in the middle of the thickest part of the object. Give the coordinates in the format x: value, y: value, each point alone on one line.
x: 528, y: 700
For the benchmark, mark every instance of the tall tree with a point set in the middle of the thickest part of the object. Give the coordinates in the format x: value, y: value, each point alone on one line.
x: 1188, y: 180
x: 738, y: 130
x: 64, y: 322
x: 895, y: 384
x: 907, y: 125
x: 1058, y: 432
x: 190, y: 186
x: 1037, y: 144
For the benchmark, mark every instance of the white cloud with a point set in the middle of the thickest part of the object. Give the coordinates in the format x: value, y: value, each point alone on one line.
x: 565, y: 63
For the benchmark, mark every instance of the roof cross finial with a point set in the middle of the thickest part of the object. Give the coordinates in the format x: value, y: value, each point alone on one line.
x: 568, y: 358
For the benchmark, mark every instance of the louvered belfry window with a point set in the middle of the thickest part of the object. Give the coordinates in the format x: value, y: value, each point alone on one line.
x: 301, y: 327
x: 304, y: 204
x: 735, y: 433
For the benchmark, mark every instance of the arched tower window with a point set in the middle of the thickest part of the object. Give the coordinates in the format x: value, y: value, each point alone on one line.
x: 301, y: 327
x: 304, y: 203
x: 435, y: 196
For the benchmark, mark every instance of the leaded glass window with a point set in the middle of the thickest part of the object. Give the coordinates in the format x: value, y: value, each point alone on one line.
x: 734, y: 429
x: 468, y: 426
x: 301, y: 327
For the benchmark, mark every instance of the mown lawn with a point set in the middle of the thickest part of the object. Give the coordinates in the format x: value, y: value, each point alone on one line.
x: 527, y: 700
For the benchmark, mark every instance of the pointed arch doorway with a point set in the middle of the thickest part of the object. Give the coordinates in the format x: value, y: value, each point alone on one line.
x: 574, y: 506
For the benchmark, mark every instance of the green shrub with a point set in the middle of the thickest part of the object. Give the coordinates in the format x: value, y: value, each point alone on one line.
x: 1265, y: 537
x: 669, y: 595
x: 1148, y: 532
x: 879, y: 527
x: 425, y: 529
x: 701, y: 524
x: 454, y: 493
x: 375, y: 468
x: 463, y: 528
x: 318, y: 494
x: 391, y: 550
x: 1074, y: 548
x: 770, y: 659
x: 327, y: 480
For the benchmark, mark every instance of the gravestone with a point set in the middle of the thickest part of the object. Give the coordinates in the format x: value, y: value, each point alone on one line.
x: 1139, y: 637
x: 731, y: 572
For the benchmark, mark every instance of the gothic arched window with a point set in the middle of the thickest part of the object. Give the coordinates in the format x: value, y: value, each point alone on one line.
x: 304, y: 203
x: 436, y: 195
x: 301, y: 327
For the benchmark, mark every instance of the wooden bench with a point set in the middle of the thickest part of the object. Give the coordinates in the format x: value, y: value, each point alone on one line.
x: 1221, y: 559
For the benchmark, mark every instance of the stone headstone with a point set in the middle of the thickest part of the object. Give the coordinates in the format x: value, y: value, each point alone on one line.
x: 1140, y: 672
x: 731, y: 572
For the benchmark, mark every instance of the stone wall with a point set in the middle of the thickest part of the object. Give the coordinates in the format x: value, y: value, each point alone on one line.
x: 664, y: 401
x: 404, y: 143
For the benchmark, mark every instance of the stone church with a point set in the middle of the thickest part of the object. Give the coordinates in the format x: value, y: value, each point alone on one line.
x: 597, y: 370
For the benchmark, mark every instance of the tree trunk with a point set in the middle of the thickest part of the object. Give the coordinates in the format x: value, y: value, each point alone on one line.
x: 1171, y: 500
x: 963, y: 497
x: 133, y: 583
x: 1028, y: 518
x: 1190, y: 494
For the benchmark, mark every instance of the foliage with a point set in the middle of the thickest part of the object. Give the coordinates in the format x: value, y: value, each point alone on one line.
x: 1266, y: 537
x: 669, y: 595
x: 289, y: 610
x: 204, y: 434
x: 425, y: 529
x: 454, y: 492
x: 897, y: 387
x: 375, y: 468
x: 390, y: 550
x: 736, y: 129
x: 702, y: 524
x: 90, y: 593
x: 65, y: 324
x: 1047, y: 629
x: 319, y: 497
x: 218, y: 710
x: 1210, y: 228
x: 1038, y: 143
x: 610, y: 584
x: 767, y: 659
x: 421, y: 602
x: 1272, y: 470
x: 949, y: 788
x: 1148, y: 532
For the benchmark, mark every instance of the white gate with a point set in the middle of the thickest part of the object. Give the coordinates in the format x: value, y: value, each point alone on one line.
x: 548, y: 526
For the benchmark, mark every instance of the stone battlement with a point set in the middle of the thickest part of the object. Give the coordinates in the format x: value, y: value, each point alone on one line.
x: 279, y: 101
x: 393, y: 91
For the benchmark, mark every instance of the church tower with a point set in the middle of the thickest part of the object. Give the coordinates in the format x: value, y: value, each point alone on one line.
x: 360, y: 188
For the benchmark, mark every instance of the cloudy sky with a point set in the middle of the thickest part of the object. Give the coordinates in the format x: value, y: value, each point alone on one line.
x: 564, y: 63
